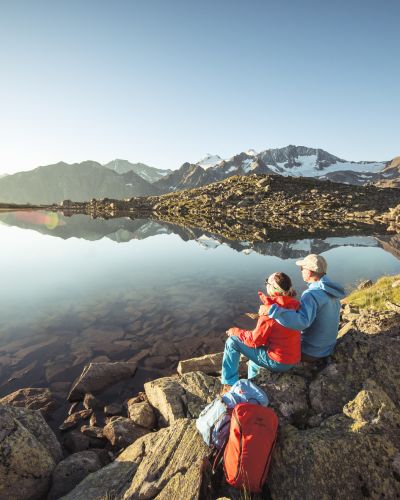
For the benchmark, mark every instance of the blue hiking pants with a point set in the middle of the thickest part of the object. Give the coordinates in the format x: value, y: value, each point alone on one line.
x: 258, y: 357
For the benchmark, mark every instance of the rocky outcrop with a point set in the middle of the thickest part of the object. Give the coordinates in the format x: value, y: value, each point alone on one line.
x: 354, y: 455
x: 183, y: 397
x: 29, y: 452
x: 163, y: 465
x: 97, y: 376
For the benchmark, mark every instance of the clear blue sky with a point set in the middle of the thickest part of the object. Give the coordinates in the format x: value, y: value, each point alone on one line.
x: 167, y: 81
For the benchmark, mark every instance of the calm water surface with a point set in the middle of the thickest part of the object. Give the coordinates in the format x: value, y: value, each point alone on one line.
x: 76, y: 289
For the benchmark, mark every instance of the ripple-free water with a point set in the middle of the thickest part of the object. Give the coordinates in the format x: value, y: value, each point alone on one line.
x: 144, y: 279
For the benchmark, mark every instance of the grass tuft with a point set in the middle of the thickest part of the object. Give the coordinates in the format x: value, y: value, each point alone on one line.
x: 375, y: 296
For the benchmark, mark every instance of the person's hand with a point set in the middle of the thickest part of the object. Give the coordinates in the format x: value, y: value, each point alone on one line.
x: 263, y: 310
x: 234, y: 331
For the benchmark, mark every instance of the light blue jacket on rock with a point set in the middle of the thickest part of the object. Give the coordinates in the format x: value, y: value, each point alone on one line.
x: 317, y: 318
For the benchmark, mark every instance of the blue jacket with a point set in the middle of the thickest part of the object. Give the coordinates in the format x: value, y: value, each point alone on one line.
x: 317, y: 317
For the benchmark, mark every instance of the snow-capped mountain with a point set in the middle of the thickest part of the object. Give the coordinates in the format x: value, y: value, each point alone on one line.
x: 149, y: 174
x: 297, y: 161
x: 209, y: 161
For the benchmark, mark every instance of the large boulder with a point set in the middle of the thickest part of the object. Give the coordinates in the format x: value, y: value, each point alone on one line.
x: 288, y: 394
x: 358, y: 356
x: 71, y: 471
x: 98, y: 376
x: 29, y: 453
x: 183, y: 397
x: 351, y: 457
x: 32, y: 398
x: 163, y: 465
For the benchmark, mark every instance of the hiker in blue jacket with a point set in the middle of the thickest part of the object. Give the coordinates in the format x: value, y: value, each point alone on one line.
x: 319, y: 313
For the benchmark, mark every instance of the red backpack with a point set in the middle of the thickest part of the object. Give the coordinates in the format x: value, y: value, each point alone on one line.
x: 251, y: 441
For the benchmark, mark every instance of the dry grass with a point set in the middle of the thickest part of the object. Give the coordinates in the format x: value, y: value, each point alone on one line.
x: 375, y: 296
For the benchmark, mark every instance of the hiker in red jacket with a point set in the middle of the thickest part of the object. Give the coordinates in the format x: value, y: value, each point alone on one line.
x: 269, y: 345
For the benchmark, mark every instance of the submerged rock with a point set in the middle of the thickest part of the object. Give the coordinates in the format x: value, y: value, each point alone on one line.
x: 97, y: 376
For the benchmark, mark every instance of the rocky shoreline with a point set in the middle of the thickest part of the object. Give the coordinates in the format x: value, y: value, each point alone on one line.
x: 259, y: 207
x: 339, y: 427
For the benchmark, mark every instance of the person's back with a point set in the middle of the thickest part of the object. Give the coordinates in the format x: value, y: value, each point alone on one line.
x: 319, y: 339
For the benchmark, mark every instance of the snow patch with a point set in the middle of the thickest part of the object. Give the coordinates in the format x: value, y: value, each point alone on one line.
x: 301, y: 245
x: 308, y: 167
x: 206, y: 242
x: 209, y: 161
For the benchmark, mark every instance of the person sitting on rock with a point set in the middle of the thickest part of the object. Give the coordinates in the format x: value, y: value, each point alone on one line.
x: 269, y: 345
x: 319, y: 313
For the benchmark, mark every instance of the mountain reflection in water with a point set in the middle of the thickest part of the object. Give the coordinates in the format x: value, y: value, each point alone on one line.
x: 71, y: 294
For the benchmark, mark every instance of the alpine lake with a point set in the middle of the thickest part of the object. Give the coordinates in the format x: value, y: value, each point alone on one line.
x: 77, y: 289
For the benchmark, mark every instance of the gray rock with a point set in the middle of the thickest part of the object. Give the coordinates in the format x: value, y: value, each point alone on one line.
x: 90, y: 402
x: 364, y: 284
x: 287, y: 393
x: 113, y: 409
x: 92, y: 431
x: 122, y: 432
x: 142, y: 414
x: 183, y: 397
x: 75, y: 441
x: 71, y: 471
x: 210, y: 364
x: 28, y: 454
x: 74, y: 419
x: 97, y: 376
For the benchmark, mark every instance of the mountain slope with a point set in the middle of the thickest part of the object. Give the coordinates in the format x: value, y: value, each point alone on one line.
x: 150, y: 174
x: 297, y: 161
x: 78, y: 182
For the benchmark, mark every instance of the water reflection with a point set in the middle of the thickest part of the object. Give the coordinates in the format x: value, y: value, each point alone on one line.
x: 71, y: 294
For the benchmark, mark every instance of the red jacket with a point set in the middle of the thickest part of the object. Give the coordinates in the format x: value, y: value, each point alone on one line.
x: 282, y: 344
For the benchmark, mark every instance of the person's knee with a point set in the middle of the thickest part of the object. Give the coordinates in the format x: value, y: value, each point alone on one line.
x: 231, y: 342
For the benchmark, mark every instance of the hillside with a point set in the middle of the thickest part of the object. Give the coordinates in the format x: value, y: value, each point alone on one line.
x: 79, y: 182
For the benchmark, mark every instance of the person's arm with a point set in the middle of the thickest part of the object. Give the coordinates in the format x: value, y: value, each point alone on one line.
x: 296, y: 320
x: 259, y: 336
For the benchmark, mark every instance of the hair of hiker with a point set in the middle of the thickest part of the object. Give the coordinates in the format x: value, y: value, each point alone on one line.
x: 283, y: 281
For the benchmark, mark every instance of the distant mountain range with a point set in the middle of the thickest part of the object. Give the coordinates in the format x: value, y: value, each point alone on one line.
x: 149, y: 174
x: 291, y: 160
x: 122, y: 179
x: 78, y: 182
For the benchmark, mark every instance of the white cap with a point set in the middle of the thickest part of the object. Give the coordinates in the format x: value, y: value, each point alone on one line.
x: 314, y: 262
